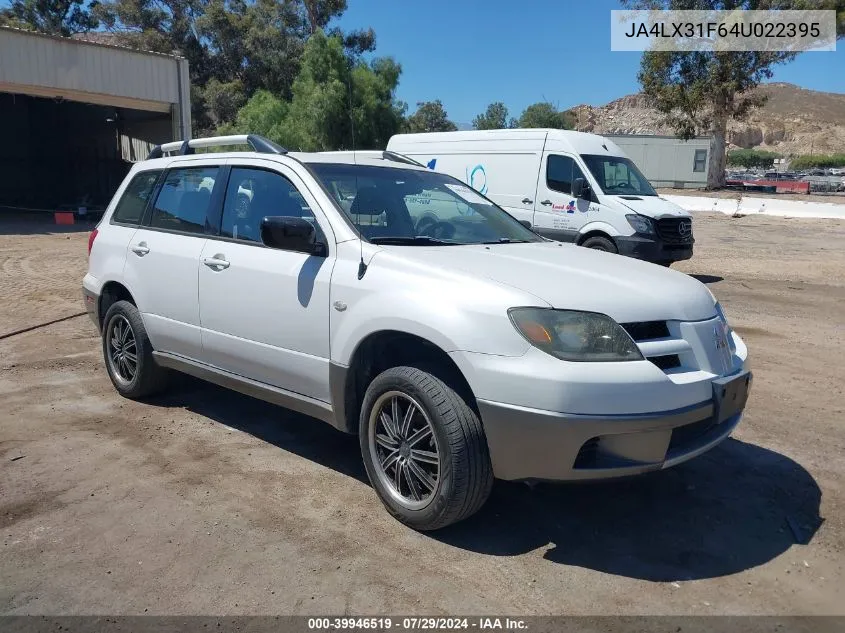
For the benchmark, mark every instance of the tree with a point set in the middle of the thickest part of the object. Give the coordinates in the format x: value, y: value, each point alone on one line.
x: 55, y: 17
x: 494, y: 118
x: 430, y: 117
x: 333, y: 96
x: 546, y: 115
x: 699, y: 92
x: 263, y: 114
x: 234, y: 47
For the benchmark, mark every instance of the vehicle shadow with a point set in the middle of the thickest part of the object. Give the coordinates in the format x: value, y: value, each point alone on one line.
x: 708, y: 279
x: 291, y: 431
x: 734, y: 508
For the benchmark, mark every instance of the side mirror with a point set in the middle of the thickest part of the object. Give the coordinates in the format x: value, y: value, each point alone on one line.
x: 291, y: 234
x: 580, y: 189
x: 525, y: 223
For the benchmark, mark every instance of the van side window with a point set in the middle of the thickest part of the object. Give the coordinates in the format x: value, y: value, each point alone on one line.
x: 560, y: 172
x: 182, y: 204
x: 252, y: 195
x: 134, y: 200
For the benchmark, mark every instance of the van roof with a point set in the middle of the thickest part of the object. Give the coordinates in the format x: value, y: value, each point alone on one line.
x: 525, y: 138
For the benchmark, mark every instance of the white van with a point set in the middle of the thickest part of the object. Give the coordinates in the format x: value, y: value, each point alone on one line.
x: 571, y: 187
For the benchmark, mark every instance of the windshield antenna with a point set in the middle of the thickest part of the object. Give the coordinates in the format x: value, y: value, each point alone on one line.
x: 362, y: 267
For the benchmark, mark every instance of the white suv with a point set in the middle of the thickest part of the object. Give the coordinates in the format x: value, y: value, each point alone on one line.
x: 458, y: 350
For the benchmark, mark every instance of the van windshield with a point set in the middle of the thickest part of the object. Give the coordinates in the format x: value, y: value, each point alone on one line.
x: 410, y: 207
x: 618, y: 176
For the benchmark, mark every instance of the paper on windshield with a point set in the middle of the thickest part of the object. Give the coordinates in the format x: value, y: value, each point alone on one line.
x: 467, y: 194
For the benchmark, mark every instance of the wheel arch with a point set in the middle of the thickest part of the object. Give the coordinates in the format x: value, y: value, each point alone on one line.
x: 110, y: 293
x: 597, y: 229
x: 381, y: 350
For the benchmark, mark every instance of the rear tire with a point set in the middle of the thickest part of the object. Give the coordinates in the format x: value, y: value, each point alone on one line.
x: 665, y: 264
x: 439, y: 450
x: 128, y: 353
x: 599, y: 243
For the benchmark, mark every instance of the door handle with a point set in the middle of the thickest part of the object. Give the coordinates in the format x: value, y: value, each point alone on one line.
x: 527, y: 201
x: 140, y: 249
x: 215, y: 262
x: 546, y: 203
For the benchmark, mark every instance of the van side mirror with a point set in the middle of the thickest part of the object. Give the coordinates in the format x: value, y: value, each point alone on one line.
x: 291, y: 234
x: 525, y: 223
x: 580, y: 189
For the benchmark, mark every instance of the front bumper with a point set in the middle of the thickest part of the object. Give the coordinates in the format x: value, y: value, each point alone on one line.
x: 532, y: 444
x: 653, y: 249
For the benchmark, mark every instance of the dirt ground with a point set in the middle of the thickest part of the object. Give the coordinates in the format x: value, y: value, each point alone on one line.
x: 207, y: 502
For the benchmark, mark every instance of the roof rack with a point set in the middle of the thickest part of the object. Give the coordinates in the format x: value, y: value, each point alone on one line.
x: 182, y: 148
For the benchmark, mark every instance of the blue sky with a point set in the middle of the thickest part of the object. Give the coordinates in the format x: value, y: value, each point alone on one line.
x: 469, y: 53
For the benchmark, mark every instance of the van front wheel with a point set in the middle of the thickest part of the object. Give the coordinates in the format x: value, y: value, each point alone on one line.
x: 600, y: 243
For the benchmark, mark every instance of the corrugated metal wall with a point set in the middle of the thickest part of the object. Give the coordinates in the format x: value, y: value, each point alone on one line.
x: 665, y: 160
x: 28, y: 59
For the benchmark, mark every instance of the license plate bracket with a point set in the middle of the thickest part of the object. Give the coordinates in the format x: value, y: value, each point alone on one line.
x: 730, y: 395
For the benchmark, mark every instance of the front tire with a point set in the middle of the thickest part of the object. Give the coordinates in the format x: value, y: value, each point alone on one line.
x: 128, y: 353
x: 424, y: 449
x: 599, y: 243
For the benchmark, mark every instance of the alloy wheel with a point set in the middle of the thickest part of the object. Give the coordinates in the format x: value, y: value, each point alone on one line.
x: 404, y: 448
x: 122, y: 349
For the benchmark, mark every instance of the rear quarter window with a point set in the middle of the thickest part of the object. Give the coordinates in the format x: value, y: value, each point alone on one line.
x: 135, y: 197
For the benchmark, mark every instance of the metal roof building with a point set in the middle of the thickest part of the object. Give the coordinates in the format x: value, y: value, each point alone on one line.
x: 76, y: 113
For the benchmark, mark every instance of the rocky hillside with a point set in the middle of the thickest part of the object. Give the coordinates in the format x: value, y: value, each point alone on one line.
x: 794, y: 121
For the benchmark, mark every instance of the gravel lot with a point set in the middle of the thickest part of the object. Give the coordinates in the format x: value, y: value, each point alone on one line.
x: 208, y: 502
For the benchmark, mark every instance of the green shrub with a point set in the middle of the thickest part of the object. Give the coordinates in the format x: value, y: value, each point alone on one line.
x: 811, y: 161
x: 752, y: 158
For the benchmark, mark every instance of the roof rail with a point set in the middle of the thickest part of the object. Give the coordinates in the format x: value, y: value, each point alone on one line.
x: 182, y: 148
x: 400, y: 158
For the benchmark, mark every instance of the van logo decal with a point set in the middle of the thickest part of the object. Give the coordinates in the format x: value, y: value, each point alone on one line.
x: 432, y: 163
x: 569, y: 207
x: 477, y: 178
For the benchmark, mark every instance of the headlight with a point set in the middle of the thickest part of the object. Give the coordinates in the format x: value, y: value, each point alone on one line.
x: 575, y: 336
x: 640, y: 223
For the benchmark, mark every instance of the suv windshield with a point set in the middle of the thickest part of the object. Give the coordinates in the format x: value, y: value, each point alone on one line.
x: 618, y: 176
x: 405, y: 206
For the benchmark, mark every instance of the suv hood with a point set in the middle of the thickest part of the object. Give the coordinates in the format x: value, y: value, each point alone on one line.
x: 651, y: 206
x: 571, y: 277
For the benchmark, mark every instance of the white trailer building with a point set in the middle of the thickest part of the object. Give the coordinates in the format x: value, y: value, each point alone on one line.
x: 668, y: 161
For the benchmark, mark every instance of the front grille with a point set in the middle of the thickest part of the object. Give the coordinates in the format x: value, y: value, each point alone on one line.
x: 675, y: 230
x: 645, y: 330
x: 669, y: 361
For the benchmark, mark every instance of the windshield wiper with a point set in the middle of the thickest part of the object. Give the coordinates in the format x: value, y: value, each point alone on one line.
x: 416, y: 240
x: 506, y: 240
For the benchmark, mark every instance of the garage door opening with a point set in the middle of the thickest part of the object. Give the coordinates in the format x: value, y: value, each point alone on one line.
x: 59, y: 154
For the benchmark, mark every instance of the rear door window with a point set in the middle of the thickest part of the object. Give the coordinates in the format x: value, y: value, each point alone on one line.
x: 184, y: 200
x: 135, y: 197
